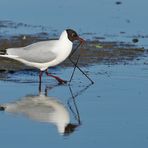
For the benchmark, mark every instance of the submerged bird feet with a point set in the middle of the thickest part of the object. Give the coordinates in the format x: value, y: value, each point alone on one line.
x: 61, y: 81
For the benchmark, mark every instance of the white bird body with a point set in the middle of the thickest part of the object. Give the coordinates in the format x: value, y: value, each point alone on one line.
x: 42, y: 54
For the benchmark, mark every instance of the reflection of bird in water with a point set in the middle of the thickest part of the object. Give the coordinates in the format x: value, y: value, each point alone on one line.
x: 48, y: 109
x: 44, y: 109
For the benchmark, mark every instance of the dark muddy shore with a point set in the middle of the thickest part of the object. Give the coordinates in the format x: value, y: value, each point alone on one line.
x: 93, y: 51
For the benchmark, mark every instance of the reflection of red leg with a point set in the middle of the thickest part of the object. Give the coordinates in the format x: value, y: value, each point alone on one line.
x: 40, y: 80
x: 61, y: 81
x: 40, y: 76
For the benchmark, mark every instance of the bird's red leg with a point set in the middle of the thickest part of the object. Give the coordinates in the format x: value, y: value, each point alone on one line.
x: 61, y: 81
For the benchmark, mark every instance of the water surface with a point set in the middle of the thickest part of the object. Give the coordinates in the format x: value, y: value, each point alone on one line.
x: 112, y: 112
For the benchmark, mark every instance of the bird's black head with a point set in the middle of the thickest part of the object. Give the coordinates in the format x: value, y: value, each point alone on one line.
x: 72, y: 35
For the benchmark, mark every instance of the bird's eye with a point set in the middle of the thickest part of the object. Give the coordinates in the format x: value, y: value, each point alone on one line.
x: 73, y: 35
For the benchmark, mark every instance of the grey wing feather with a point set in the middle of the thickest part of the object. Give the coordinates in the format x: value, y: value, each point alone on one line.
x: 39, y: 52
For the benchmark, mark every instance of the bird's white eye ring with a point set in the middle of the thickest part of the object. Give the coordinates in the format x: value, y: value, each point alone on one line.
x: 73, y: 34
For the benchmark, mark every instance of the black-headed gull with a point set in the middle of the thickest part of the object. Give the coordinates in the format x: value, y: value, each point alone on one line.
x: 45, y: 54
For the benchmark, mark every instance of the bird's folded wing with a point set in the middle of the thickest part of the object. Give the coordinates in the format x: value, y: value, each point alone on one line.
x: 39, y: 52
x: 39, y: 57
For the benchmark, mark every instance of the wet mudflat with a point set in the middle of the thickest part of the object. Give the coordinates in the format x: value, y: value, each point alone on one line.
x: 93, y: 51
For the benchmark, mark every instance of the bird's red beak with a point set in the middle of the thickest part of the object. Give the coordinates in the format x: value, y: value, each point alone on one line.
x: 82, y: 41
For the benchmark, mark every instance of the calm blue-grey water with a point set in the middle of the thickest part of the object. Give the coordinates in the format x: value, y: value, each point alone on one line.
x: 112, y: 113
x: 98, y: 17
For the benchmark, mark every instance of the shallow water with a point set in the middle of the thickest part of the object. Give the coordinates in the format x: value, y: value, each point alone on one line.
x: 110, y: 113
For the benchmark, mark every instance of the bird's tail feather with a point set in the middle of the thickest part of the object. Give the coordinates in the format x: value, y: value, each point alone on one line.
x: 9, y: 56
x: 2, y: 52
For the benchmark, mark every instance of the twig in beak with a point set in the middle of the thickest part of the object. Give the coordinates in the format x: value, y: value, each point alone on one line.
x: 75, y: 50
x: 81, y: 42
x: 75, y: 64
